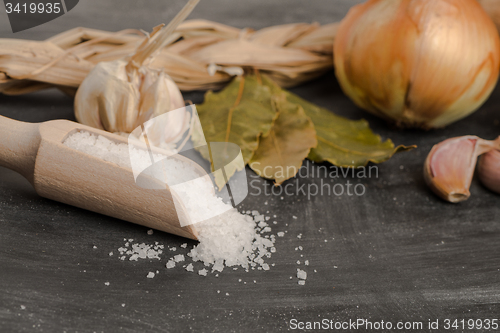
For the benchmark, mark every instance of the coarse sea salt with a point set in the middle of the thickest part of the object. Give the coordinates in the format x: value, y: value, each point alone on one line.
x: 225, y: 239
x: 179, y: 258
x: 138, y: 251
x: 301, y: 274
x: 170, y: 264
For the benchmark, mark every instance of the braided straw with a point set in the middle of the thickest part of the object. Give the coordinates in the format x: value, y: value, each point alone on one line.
x: 199, y: 55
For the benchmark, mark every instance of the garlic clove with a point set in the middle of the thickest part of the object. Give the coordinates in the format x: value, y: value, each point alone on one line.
x: 489, y: 170
x: 155, y: 98
x: 449, y: 167
x: 166, y: 130
x: 176, y: 99
x: 108, y: 98
x: 120, y: 95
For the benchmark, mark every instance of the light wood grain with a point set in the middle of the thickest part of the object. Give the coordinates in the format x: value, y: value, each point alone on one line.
x: 63, y: 174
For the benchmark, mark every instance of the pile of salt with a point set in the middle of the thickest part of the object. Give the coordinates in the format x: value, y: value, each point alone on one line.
x: 227, y: 239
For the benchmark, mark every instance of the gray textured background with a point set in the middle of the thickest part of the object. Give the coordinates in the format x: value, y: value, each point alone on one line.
x: 398, y: 253
x: 145, y: 14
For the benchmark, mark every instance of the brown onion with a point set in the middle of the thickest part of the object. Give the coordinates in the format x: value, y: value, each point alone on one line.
x: 419, y: 63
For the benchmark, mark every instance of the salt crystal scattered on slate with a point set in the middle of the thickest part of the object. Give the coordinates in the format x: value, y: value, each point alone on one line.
x: 230, y: 237
x: 301, y: 274
x: 179, y: 258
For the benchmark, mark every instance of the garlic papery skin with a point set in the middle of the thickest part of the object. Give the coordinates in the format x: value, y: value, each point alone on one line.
x: 489, y: 170
x: 115, y: 100
x: 418, y: 63
x: 121, y: 95
x: 449, y: 167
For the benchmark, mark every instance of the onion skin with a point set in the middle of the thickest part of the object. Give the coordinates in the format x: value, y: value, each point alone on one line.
x: 489, y: 170
x: 492, y: 7
x: 418, y: 63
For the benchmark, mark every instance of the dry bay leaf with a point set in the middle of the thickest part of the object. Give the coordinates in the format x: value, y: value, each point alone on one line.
x: 344, y: 142
x: 341, y: 141
x: 278, y: 129
x: 281, y: 153
x: 239, y: 114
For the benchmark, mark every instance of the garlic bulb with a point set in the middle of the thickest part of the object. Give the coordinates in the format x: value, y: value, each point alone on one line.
x: 118, y: 96
x: 117, y: 101
x: 419, y: 63
x: 489, y: 170
x: 449, y: 167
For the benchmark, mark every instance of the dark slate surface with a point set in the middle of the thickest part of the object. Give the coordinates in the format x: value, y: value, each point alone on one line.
x: 395, y: 254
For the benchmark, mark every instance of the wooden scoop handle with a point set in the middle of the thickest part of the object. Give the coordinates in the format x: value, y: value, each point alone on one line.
x: 19, y: 142
x: 70, y: 176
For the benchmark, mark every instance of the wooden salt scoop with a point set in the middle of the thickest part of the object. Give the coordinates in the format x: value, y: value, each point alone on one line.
x: 60, y: 173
